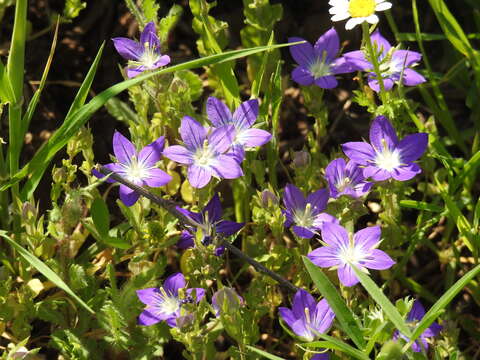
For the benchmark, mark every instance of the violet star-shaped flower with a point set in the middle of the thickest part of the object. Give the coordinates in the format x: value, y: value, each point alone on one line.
x: 205, y: 152
x: 414, y: 316
x: 320, y: 63
x: 346, y: 179
x: 306, y: 214
x: 137, y: 167
x: 387, y: 157
x: 343, y: 251
x: 307, y: 318
x: 242, y: 119
x: 395, y: 65
x: 164, y: 304
x: 209, y: 220
x: 143, y: 55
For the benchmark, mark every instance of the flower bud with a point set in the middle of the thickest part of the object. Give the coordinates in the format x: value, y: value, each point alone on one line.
x: 226, y: 299
x: 269, y: 198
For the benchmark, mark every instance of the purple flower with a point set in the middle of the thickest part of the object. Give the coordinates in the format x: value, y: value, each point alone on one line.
x: 395, y: 64
x: 324, y: 356
x: 307, y: 318
x: 210, y: 222
x: 242, y: 119
x: 416, y: 314
x: 143, y: 55
x: 306, y: 213
x: 164, y: 304
x: 137, y: 167
x: 320, y: 63
x: 343, y: 251
x: 204, y: 152
x: 346, y: 179
x: 387, y: 157
x: 226, y: 297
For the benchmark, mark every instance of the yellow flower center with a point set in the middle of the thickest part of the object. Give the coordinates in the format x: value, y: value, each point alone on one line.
x: 361, y: 8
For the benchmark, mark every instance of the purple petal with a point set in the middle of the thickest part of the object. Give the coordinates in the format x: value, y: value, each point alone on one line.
x: 303, y: 300
x: 381, y: 43
x: 173, y: 283
x: 359, y: 152
x: 367, y: 238
x: 303, y: 54
x: 302, y: 76
x: 404, y: 173
x: 199, y: 176
x: 330, y: 43
x: 412, y: 78
x: 357, y: 60
x: 303, y: 232
x: 323, y: 317
x: 335, y: 235
x: 112, y: 167
x: 342, y: 65
x: 123, y: 148
x: 199, y: 293
x: 388, y: 83
x: 287, y: 316
x: 164, y: 60
x: 347, y: 276
x: 148, y: 296
x: 406, y: 58
x: 299, y: 327
x: 148, y: 318
x: 198, y: 218
x: 382, y: 134
x: 325, y: 256
x: 219, y: 251
x: 128, y: 196
x: 227, y: 167
x: 323, y: 218
x: 412, y: 146
x: 128, y: 49
x: 432, y: 330
x: 132, y: 72
x: 326, y: 82
x: 218, y: 113
x: 324, y: 356
x: 186, y: 240
x: 318, y: 200
x: 228, y: 228
x: 236, y: 152
x: 149, y: 35
x: 376, y: 173
x: 192, y: 132
x: 246, y: 114
x: 152, y: 153
x: 222, y: 138
x: 253, y: 137
x: 378, y: 260
x: 179, y: 154
x: 417, y: 312
x: 335, y: 172
x: 214, y: 209
x: 293, y: 198
x: 157, y: 177
x: 172, y: 321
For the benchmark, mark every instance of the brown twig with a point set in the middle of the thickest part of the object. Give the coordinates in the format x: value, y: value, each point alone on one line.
x: 171, y: 207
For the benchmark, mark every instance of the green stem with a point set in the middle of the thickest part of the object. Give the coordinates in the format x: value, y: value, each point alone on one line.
x: 373, y: 58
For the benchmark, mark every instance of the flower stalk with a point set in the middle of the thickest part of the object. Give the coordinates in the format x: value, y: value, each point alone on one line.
x: 374, y: 59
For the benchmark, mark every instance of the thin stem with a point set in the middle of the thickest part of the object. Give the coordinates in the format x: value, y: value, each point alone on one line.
x: 171, y: 207
x: 373, y: 58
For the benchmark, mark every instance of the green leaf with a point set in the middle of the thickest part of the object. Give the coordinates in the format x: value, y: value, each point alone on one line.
x: 380, y: 298
x: 441, y: 304
x: 335, y: 344
x: 168, y: 22
x: 420, y: 205
x: 121, y: 111
x: 76, y: 119
x: 263, y: 353
x: 73, y: 8
x: 343, y: 314
x: 6, y: 90
x: 150, y: 10
x: 45, y: 270
x: 100, y: 216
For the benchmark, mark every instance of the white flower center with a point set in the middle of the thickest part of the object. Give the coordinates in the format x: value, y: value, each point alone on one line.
x: 136, y: 171
x: 204, y: 155
x: 388, y: 160
x: 149, y: 56
x: 343, y: 183
x: 351, y: 254
x: 303, y: 217
x: 169, y: 305
x: 319, y: 68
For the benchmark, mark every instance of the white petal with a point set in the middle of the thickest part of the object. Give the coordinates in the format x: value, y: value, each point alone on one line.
x: 383, y: 6
x: 372, y: 19
x: 339, y: 2
x: 341, y: 16
x: 354, y: 22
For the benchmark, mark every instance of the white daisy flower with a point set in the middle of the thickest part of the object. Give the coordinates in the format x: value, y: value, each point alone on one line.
x: 358, y: 11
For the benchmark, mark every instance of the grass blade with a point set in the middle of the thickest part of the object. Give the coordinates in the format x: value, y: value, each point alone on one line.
x: 441, y: 304
x: 382, y: 301
x: 335, y: 344
x: 263, y: 353
x: 45, y: 270
x: 343, y: 314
